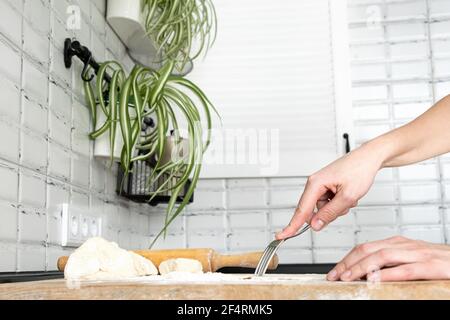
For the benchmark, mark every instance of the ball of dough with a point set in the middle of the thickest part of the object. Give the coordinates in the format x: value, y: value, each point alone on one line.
x: 98, y: 259
x: 180, y: 265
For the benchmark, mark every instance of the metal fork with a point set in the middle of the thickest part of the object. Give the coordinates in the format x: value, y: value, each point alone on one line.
x: 270, y: 251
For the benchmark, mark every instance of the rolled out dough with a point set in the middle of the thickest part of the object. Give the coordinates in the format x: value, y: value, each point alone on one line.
x: 98, y: 259
x: 180, y: 265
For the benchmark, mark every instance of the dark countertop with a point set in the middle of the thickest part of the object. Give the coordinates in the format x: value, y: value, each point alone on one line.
x: 15, y: 277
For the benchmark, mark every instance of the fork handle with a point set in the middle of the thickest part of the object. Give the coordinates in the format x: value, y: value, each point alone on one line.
x: 245, y: 260
x: 302, y: 231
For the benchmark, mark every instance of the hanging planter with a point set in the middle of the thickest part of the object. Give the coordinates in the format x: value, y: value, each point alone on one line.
x: 141, y: 115
x: 170, y: 101
x: 174, y: 30
x: 173, y: 33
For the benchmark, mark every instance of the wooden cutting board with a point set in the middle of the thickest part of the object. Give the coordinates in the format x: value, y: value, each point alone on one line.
x: 210, y: 259
x: 289, y: 287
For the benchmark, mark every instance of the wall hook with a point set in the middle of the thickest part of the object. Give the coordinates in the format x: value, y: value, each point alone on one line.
x: 73, y: 48
x: 84, y: 73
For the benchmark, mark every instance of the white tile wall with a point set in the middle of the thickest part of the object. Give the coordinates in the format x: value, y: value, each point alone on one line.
x: 409, y: 52
x: 45, y: 154
x: 228, y: 215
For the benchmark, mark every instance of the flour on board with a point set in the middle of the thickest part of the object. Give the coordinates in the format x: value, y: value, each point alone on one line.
x: 186, y: 277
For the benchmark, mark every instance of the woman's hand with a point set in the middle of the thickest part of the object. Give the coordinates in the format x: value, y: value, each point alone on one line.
x: 394, y: 259
x: 336, y: 188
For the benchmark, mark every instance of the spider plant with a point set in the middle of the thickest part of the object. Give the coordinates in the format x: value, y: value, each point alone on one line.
x: 126, y: 100
x: 181, y: 29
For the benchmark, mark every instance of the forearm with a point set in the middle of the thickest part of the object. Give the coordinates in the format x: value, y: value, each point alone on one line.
x: 425, y: 137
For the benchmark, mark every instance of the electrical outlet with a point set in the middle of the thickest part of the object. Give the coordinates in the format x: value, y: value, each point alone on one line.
x: 78, y: 226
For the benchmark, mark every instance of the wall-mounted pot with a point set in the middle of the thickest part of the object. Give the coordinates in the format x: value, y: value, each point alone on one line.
x: 127, y: 18
x: 102, y: 145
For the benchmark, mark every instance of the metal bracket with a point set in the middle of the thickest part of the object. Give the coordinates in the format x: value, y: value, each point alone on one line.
x: 73, y: 48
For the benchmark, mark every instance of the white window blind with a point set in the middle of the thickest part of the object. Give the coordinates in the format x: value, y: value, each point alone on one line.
x: 277, y: 72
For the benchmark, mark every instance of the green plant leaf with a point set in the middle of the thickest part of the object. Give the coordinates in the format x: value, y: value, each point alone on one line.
x: 125, y: 124
x: 90, y: 99
x: 174, y: 25
x: 114, y: 91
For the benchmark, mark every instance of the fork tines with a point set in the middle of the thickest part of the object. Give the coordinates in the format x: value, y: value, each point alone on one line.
x: 267, y: 257
x: 270, y: 251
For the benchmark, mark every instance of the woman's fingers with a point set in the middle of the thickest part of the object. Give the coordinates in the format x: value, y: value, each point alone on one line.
x: 340, y: 204
x: 360, y: 252
x: 405, y: 272
x: 304, y: 210
x: 394, y: 259
x: 376, y: 261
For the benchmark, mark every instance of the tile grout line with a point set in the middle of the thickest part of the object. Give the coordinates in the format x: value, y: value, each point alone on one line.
x: 388, y: 66
x: 91, y: 156
x: 440, y: 173
x: 48, y: 215
x: 268, y: 213
x: 20, y: 142
x: 225, y: 200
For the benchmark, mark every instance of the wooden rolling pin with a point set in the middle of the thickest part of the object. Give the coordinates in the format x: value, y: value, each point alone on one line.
x: 210, y: 259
